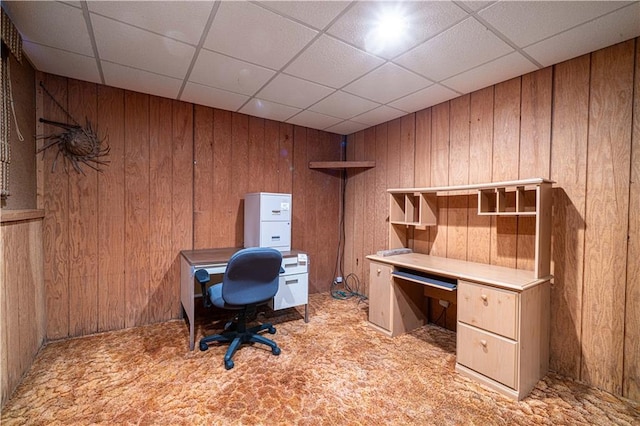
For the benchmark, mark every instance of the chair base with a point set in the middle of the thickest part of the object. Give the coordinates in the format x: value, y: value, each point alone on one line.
x: 239, y: 337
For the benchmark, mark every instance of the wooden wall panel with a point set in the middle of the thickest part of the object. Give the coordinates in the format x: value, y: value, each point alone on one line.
x: 224, y: 207
x: 182, y: 191
x: 326, y: 213
x: 301, y: 181
x: 631, y: 377
x: 440, y: 174
x: 21, y: 302
x: 239, y: 172
x: 272, y: 155
x: 457, y: 217
x: 111, y: 213
x: 422, y: 172
x: 506, y: 142
x: 351, y: 213
x: 203, y: 196
x: 256, y: 155
x: 56, y: 225
x: 160, y: 208
x: 381, y: 202
x: 480, y: 160
x: 369, y: 176
x: 285, y: 163
x: 569, y: 170
x: 83, y: 224
x: 356, y: 183
x: 535, y: 151
x: 137, y: 210
x: 607, y: 214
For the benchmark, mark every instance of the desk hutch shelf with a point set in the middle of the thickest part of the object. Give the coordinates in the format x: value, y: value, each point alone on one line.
x: 418, y: 207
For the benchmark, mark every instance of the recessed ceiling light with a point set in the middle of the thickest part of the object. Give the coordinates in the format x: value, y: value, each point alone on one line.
x: 388, y: 28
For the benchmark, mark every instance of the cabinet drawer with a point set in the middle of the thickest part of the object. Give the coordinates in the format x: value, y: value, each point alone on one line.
x: 293, y: 290
x: 292, y: 266
x: 275, y: 234
x: 492, y: 309
x: 275, y: 207
x: 488, y: 354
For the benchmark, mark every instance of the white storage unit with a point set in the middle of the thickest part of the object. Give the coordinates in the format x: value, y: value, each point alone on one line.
x: 267, y: 220
x: 293, y: 289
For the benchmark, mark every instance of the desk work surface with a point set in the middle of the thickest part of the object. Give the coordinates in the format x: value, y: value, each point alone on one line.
x: 499, y: 276
x: 216, y: 256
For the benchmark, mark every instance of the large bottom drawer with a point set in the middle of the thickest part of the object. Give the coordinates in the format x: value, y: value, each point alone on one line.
x: 293, y: 290
x: 489, y: 354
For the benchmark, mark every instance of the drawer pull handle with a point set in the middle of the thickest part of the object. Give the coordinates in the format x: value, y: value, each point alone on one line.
x: 287, y: 282
x: 275, y: 238
x: 484, y: 297
x: 483, y: 343
x: 275, y: 211
x: 379, y: 271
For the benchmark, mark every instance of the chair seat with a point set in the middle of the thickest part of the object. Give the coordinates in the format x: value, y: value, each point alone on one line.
x: 215, y: 295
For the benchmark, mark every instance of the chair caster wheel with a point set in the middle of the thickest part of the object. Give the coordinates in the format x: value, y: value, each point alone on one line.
x: 228, y: 365
x: 203, y: 346
x: 275, y: 351
x: 272, y: 330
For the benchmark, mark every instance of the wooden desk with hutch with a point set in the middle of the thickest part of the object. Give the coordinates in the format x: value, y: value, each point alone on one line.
x: 503, y: 313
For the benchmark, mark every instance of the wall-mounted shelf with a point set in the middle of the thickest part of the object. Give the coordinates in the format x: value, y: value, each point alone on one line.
x: 341, y: 164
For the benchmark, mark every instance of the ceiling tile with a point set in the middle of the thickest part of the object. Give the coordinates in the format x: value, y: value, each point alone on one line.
x: 458, y: 49
x: 270, y: 110
x: 343, y: 105
x: 347, y: 127
x: 317, y: 14
x: 424, y: 98
x: 145, y: 50
x: 293, y: 91
x: 216, y: 70
x: 34, y: 20
x: 182, y: 21
x: 501, y: 69
x: 331, y: 62
x: 210, y: 96
x: 251, y: 33
x: 313, y: 120
x: 140, y: 81
x: 423, y: 19
x: 526, y: 22
x: 379, y: 115
x: 589, y: 37
x: 476, y: 4
x: 387, y: 83
x: 62, y: 63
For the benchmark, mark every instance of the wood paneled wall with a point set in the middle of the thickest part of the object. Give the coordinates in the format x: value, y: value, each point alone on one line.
x: 574, y: 123
x: 176, y: 178
x: 22, y: 313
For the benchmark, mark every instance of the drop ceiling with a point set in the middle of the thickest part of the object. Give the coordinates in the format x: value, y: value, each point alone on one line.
x: 312, y: 63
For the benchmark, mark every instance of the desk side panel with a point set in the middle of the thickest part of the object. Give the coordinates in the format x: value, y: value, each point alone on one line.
x: 186, y: 288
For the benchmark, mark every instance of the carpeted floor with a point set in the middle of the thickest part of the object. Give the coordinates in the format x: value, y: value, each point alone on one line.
x: 335, y: 370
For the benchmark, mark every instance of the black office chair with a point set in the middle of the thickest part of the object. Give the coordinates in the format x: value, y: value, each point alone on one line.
x: 251, y: 279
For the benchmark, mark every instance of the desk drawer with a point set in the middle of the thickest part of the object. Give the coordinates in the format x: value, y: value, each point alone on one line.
x: 293, y: 290
x: 492, y: 309
x: 292, y: 265
x: 488, y: 354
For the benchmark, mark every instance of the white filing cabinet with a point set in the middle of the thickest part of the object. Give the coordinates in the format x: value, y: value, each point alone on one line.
x: 267, y: 220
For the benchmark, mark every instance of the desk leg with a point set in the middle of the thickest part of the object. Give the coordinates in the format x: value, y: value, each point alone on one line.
x: 306, y: 312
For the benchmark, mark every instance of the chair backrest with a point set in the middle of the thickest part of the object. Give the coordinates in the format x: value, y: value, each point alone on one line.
x: 251, y: 276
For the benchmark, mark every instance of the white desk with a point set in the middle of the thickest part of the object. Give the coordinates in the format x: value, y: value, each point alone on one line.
x: 292, y: 291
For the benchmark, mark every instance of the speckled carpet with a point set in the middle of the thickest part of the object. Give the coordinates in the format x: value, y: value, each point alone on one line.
x: 335, y: 370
